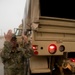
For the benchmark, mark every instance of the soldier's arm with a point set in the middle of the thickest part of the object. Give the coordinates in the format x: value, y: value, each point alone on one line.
x: 5, y: 54
x: 28, y: 51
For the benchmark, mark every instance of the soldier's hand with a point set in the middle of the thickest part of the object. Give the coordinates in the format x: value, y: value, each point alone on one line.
x: 25, y: 38
x: 8, y: 35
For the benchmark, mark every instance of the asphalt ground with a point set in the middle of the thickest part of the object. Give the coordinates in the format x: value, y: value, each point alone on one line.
x: 1, y: 68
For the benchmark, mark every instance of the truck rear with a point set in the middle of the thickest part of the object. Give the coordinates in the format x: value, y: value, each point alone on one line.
x: 52, y: 36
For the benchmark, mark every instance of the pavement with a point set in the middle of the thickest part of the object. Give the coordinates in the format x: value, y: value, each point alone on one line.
x: 1, y: 68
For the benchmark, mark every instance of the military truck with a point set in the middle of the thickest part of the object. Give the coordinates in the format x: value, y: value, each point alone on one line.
x: 18, y: 33
x: 52, y: 33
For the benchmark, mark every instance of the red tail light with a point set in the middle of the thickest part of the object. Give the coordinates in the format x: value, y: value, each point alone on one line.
x: 36, y: 52
x: 52, y: 48
x: 72, y: 59
x: 35, y: 47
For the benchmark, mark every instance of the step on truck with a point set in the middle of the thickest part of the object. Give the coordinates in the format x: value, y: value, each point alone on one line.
x: 52, y: 33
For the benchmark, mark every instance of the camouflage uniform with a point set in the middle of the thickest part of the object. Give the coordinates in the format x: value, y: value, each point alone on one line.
x: 14, y: 61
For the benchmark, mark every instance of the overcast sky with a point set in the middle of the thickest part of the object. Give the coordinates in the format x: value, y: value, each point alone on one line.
x: 11, y: 14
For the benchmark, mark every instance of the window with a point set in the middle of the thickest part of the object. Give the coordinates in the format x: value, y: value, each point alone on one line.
x: 61, y: 9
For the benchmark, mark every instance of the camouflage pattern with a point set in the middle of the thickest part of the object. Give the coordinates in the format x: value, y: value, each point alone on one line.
x: 14, y: 60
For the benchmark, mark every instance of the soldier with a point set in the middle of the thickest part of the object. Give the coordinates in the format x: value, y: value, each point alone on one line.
x: 13, y: 56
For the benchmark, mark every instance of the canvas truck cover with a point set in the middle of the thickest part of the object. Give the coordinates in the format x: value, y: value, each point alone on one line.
x: 31, y: 14
x: 34, y: 9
